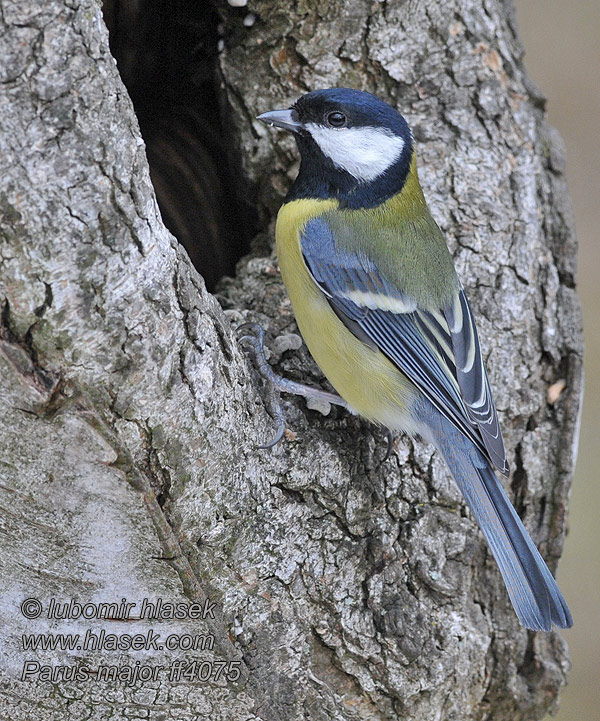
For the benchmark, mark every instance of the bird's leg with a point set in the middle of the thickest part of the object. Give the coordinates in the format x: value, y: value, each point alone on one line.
x: 254, y: 339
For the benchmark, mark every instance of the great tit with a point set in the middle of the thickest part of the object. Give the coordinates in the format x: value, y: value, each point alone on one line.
x: 381, y: 309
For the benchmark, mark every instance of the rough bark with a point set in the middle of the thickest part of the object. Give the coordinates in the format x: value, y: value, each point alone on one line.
x: 346, y: 588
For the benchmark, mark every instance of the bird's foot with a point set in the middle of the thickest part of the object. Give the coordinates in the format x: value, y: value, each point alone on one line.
x: 253, y: 339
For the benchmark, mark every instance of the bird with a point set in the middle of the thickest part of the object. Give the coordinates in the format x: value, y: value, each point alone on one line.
x: 382, y: 311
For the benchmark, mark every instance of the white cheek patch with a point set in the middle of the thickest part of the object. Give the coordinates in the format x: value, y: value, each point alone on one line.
x: 365, y: 153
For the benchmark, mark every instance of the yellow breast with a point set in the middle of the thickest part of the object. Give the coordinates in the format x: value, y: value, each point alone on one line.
x: 364, y: 377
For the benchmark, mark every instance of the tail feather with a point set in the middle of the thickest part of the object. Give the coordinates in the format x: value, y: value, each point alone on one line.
x: 531, y: 587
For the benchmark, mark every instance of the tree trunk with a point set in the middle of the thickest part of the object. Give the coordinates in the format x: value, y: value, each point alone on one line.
x: 344, y: 588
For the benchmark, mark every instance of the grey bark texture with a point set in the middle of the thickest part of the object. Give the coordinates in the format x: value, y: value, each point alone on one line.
x: 344, y: 588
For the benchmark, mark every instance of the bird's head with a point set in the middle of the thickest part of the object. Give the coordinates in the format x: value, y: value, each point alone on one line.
x: 353, y: 145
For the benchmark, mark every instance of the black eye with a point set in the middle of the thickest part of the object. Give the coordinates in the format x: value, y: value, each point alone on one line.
x: 336, y: 119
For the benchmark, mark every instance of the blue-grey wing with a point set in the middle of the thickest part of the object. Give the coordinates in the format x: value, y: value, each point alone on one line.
x: 420, y: 343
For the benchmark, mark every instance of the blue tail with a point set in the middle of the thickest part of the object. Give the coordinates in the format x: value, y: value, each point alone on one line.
x: 533, y: 591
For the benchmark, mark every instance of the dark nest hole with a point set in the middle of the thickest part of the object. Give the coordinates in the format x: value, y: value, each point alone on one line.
x: 166, y: 51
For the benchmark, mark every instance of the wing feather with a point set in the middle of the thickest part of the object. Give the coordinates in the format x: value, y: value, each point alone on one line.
x: 472, y: 378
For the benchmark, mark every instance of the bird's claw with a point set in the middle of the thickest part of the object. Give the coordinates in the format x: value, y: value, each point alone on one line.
x: 390, y: 444
x: 278, y: 436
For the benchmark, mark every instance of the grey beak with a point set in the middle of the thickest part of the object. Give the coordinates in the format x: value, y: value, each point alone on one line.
x: 286, y: 119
